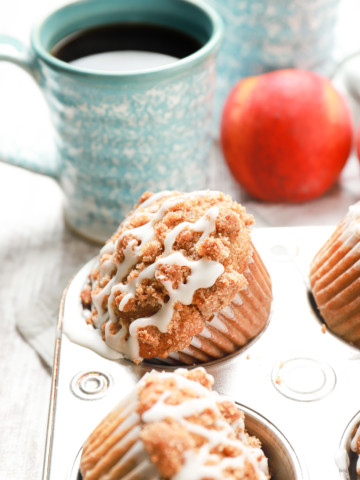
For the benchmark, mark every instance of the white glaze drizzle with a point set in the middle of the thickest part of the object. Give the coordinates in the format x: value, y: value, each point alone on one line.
x: 354, y: 448
x: 204, y: 273
x: 74, y: 325
x: 354, y: 211
x: 196, y: 463
x: 353, y: 221
x: 152, y: 199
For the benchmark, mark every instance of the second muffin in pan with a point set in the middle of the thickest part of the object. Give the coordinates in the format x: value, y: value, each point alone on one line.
x: 174, y: 426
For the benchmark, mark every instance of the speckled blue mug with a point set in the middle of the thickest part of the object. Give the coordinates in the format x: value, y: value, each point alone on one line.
x: 119, y: 134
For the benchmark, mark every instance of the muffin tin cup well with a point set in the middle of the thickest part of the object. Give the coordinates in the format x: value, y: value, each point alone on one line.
x: 284, y: 463
x: 296, y: 374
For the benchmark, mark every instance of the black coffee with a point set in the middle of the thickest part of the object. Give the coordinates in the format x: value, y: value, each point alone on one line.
x: 104, y: 46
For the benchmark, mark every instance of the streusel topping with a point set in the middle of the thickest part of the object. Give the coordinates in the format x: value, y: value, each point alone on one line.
x: 175, y: 261
x: 192, y: 433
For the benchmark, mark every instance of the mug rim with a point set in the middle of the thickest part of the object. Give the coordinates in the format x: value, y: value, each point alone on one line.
x: 211, y: 45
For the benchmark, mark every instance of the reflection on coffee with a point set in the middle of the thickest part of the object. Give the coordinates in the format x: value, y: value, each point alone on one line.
x: 125, y: 47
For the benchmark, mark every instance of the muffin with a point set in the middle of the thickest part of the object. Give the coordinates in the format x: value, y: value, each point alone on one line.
x: 355, y: 447
x: 335, y: 279
x: 172, y: 426
x: 180, y: 278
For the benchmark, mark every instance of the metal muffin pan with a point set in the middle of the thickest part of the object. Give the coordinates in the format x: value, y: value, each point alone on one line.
x: 297, y: 382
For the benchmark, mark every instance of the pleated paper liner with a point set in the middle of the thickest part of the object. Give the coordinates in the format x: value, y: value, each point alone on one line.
x: 235, y: 325
x: 114, y: 449
x: 335, y: 283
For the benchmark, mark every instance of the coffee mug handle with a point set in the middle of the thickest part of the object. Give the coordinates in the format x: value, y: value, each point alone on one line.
x: 14, y: 51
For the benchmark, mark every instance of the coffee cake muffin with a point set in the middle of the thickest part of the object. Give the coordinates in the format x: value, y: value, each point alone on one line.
x: 180, y: 278
x: 335, y: 278
x: 172, y: 426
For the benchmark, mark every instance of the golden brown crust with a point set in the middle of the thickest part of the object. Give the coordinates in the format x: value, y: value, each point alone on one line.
x: 228, y: 244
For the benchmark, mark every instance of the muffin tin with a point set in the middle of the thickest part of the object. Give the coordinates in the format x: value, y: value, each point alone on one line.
x: 296, y: 382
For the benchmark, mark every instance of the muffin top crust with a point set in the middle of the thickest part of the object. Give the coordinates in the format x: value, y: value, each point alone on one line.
x: 175, y: 260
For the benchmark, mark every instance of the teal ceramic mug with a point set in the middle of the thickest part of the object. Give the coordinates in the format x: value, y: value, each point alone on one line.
x: 119, y: 133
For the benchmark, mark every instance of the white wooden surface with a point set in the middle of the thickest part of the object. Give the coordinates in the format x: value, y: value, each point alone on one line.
x: 38, y: 255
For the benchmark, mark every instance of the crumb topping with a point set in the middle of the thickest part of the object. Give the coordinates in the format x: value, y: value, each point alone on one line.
x: 173, y: 426
x: 192, y: 433
x: 175, y: 261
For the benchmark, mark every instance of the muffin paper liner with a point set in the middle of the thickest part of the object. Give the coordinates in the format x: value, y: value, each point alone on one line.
x: 236, y: 324
x: 114, y: 450
x: 335, y: 282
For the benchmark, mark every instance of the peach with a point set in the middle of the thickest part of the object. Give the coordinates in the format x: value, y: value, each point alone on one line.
x: 286, y: 135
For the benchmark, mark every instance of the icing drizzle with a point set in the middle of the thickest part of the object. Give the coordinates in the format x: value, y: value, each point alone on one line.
x: 203, y: 463
x: 353, y: 220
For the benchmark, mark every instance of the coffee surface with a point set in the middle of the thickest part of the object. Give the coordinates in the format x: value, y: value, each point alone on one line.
x: 104, y: 45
